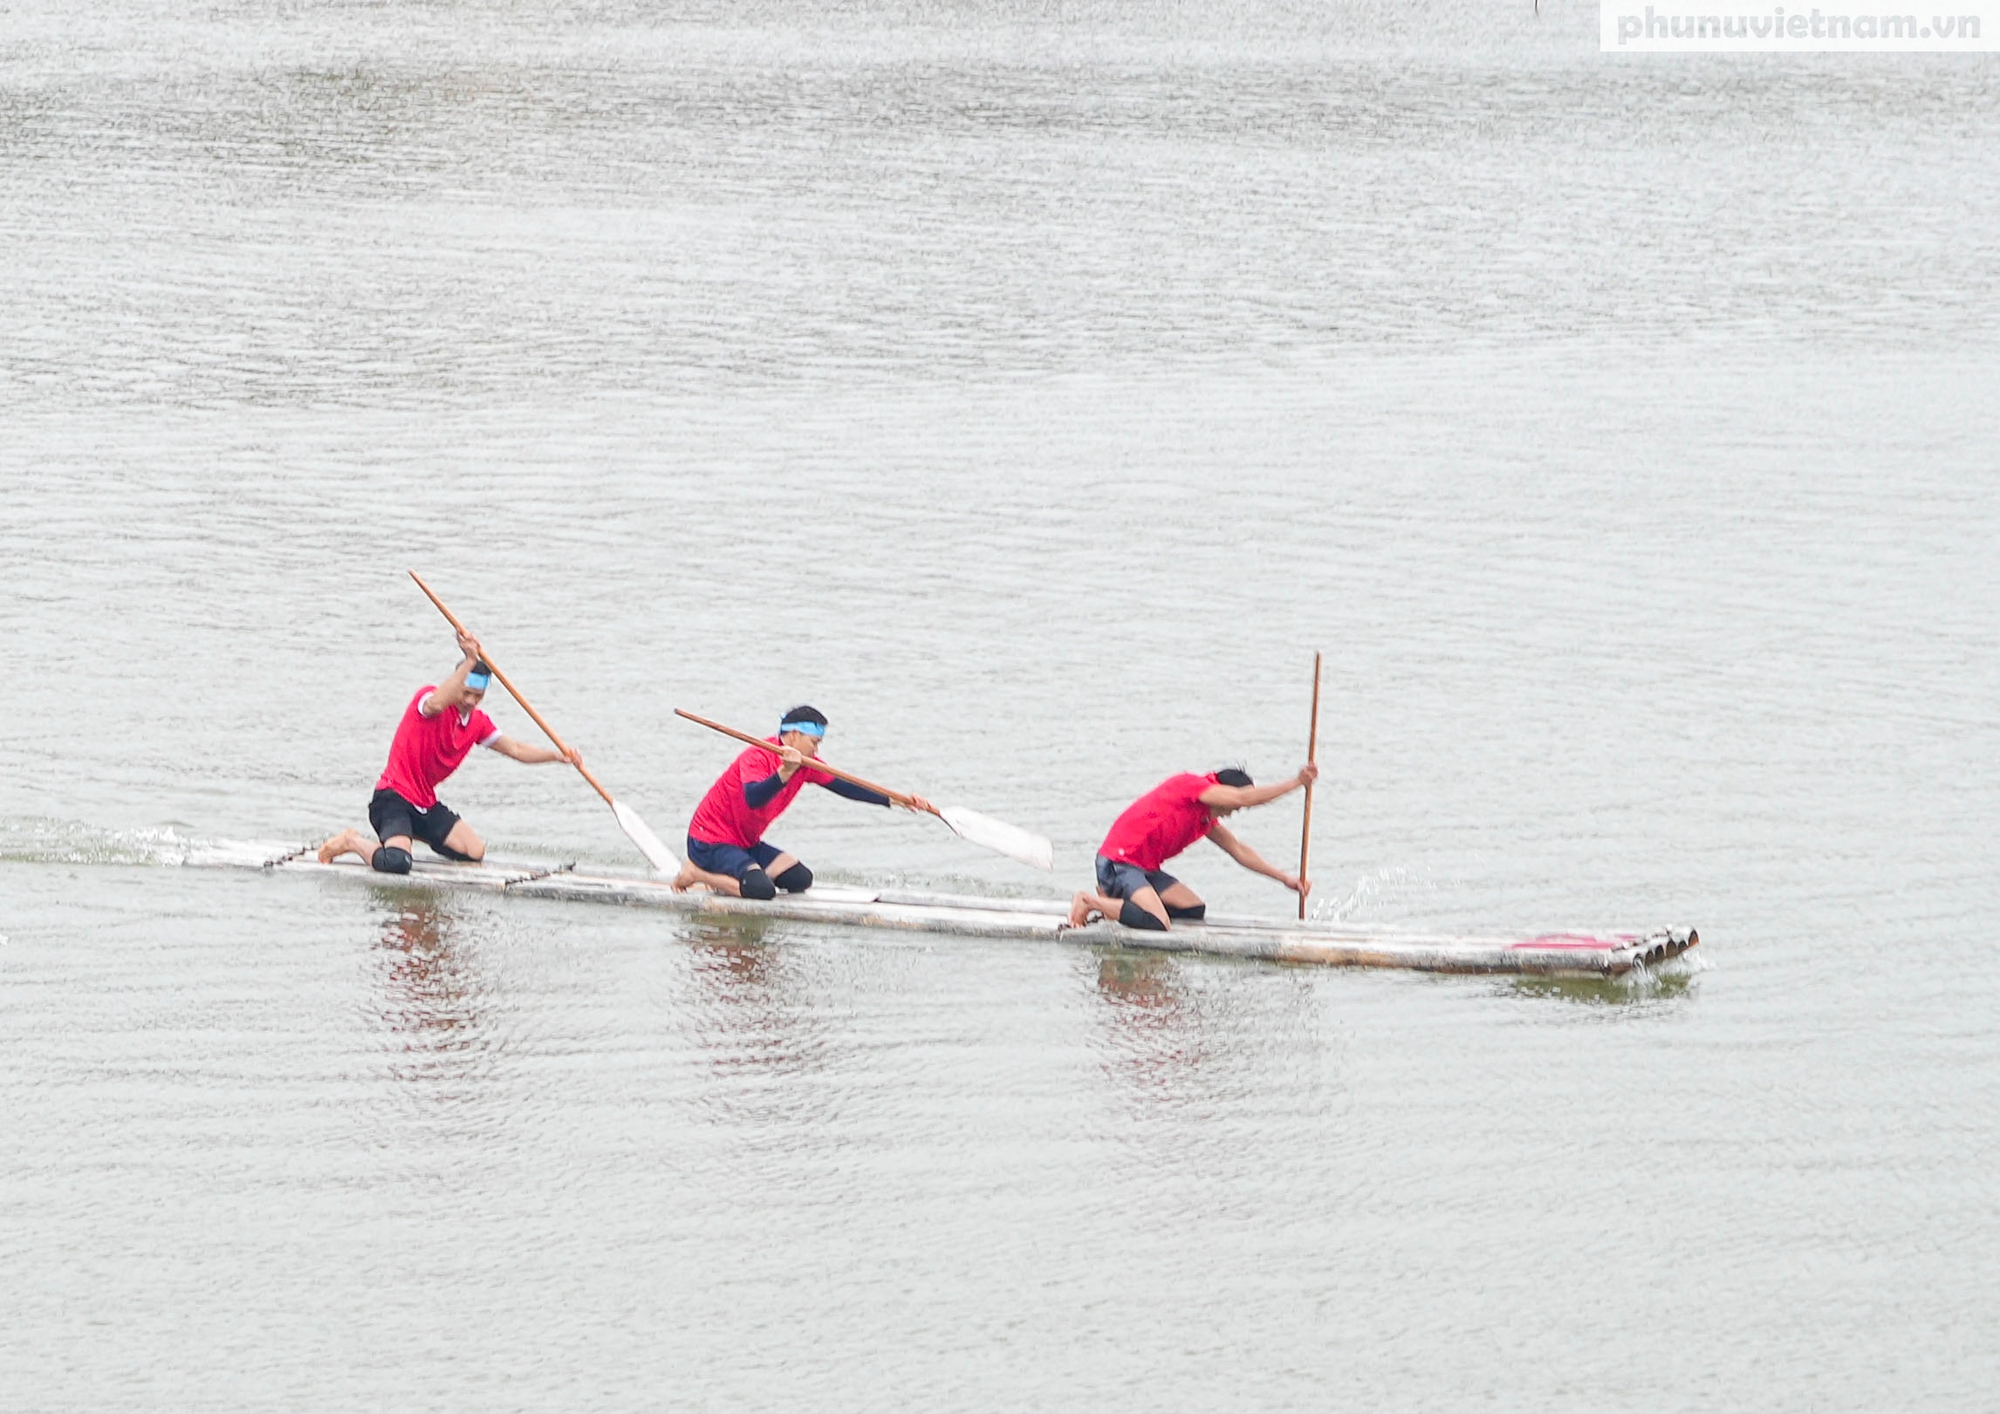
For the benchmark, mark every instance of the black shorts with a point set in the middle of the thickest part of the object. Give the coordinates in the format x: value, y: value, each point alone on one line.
x: 391, y: 815
x: 1117, y: 879
x: 733, y: 860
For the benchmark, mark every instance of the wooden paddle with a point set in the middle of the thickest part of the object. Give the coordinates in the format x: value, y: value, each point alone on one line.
x: 996, y: 835
x: 1312, y: 755
x: 636, y: 830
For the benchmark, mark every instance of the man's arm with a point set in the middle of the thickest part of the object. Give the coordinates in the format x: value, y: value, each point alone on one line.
x: 533, y: 755
x: 1242, y: 797
x: 468, y: 648
x: 854, y: 792
x: 758, y: 794
x: 1250, y: 859
x: 866, y: 796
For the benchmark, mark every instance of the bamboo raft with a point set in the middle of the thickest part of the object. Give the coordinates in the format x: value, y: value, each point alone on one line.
x: 1323, y: 944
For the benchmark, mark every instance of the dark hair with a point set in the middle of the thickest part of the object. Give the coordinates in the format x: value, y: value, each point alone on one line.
x: 1233, y: 776
x: 481, y: 667
x: 803, y: 713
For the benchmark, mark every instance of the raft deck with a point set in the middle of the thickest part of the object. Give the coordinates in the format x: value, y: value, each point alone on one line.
x: 1323, y: 944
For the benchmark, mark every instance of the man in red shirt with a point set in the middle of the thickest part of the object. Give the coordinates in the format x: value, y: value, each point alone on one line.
x: 438, y: 731
x: 725, y: 843
x: 1134, y: 889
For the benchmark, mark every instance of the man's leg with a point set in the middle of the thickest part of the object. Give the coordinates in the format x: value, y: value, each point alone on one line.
x: 1086, y: 903
x: 394, y: 821
x: 788, y: 873
x: 767, y: 869
x: 1143, y: 910
x: 460, y: 843
x: 1147, y: 902
x: 1183, y: 902
x: 1129, y: 895
x: 346, y: 842
x: 383, y: 858
x: 723, y: 868
x: 692, y: 874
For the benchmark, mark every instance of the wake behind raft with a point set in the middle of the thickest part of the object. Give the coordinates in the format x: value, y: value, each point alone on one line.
x: 1566, y: 954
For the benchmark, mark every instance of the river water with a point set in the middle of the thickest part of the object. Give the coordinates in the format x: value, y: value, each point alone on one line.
x: 1034, y: 388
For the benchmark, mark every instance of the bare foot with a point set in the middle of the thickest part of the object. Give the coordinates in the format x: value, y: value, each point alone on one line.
x: 686, y: 879
x: 1080, y: 909
x: 346, y: 842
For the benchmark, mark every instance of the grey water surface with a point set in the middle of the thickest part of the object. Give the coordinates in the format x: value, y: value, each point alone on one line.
x: 1034, y: 388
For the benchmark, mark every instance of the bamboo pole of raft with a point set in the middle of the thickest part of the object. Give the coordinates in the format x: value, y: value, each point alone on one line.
x: 1312, y: 756
x: 657, y: 854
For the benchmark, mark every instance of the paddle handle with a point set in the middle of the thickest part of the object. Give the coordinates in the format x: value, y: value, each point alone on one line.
x: 906, y: 801
x: 514, y: 692
x: 1312, y: 756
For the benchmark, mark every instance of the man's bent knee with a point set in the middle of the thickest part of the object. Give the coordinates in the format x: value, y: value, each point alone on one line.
x: 1133, y: 916
x: 1193, y: 912
x: 389, y: 860
x: 756, y: 884
x: 795, y: 880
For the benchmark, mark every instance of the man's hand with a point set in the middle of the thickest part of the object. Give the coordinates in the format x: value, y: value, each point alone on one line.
x: 793, y: 759
x: 469, y: 646
x: 1308, y: 773
x: 573, y: 756
x: 1295, y: 883
x: 920, y: 805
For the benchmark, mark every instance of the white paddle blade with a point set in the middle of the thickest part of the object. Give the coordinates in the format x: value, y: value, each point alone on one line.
x: 999, y: 836
x: 636, y: 830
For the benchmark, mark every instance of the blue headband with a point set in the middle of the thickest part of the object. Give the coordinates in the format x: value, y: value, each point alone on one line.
x: 478, y: 682
x: 811, y: 729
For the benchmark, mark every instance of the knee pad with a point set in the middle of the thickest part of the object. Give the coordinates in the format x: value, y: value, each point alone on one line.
x: 1194, y: 912
x: 1133, y: 916
x: 456, y: 855
x: 795, y: 880
x: 390, y: 861
x: 756, y: 884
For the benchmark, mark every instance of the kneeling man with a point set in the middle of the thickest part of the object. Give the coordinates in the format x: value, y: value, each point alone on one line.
x: 438, y: 731
x: 1134, y: 890
x: 725, y: 842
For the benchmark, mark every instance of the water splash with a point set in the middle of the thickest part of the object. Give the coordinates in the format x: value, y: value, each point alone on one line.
x: 43, y: 840
x: 40, y: 840
x: 1391, y: 888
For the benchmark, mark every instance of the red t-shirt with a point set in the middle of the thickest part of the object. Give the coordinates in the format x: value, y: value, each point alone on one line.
x: 1161, y: 823
x: 725, y: 817
x: 427, y: 749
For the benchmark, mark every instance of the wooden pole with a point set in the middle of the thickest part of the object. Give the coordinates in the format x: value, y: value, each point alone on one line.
x: 515, y: 692
x: 1312, y: 757
x: 907, y: 802
x: 636, y: 829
